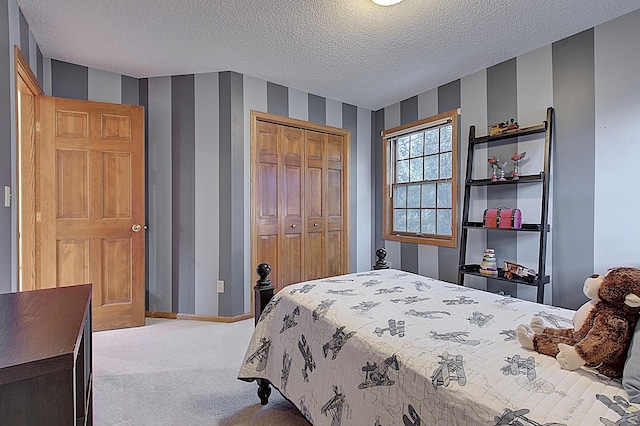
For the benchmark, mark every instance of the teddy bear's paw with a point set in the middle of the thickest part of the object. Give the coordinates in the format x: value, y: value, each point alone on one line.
x: 525, y: 336
x: 568, y: 357
x: 537, y: 325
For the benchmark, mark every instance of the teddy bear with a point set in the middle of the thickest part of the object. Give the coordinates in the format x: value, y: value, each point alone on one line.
x: 602, y: 328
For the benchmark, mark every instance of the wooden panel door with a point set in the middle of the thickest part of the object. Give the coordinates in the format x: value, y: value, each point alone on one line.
x: 336, y: 190
x: 92, y: 204
x: 292, y: 205
x: 315, y: 206
x: 279, y: 201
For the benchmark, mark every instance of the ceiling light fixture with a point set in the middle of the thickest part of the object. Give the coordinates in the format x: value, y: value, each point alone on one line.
x: 386, y: 2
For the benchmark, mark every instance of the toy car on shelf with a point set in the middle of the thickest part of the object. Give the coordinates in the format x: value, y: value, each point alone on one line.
x: 511, y: 269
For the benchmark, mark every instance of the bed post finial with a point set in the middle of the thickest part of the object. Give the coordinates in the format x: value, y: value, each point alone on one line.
x: 263, y: 290
x: 381, y: 263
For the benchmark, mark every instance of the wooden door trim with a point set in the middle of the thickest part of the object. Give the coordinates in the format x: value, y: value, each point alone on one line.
x: 257, y: 116
x: 26, y: 175
x: 23, y: 69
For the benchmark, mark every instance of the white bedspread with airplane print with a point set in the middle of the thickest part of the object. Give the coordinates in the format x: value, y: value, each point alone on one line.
x: 388, y: 347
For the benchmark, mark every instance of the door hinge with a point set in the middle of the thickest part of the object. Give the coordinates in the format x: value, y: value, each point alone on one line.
x: 38, y: 217
x: 37, y: 127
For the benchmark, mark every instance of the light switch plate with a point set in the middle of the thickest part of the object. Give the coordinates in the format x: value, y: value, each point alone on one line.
x: 7, y: 196
x: 220, y: 286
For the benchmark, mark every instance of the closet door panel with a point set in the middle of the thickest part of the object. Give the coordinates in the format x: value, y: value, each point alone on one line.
x: 291, y: 143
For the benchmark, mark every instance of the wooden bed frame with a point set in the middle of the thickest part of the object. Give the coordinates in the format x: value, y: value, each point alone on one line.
x: 263, y: 293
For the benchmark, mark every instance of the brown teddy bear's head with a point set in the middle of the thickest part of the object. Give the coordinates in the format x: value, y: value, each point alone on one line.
x: 619, y: 287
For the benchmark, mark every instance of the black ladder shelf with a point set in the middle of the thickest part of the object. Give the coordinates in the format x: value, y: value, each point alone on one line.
x: 541, y: 228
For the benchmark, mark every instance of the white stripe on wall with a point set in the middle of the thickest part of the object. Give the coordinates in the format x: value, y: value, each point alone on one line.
x: 617, y: 91
x: 363, y: 164
x: 207, y: 200
x: 473, y: 105
x: 104, y: 86
x: 535, y: 94
x: 255, y: 97
x: 392, y: 119
x: 160, y: 184
x: 334, y: 113
x: 298, y: 104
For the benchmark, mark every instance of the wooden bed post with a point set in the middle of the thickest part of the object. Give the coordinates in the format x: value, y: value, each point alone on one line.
x: 263, y: 294
x: 381, y: 263
x: 263, y: 290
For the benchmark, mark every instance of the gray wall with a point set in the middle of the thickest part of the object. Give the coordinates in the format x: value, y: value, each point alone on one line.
x: 591, y: 81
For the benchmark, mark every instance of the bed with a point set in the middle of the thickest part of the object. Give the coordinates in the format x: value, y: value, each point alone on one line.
x: 387, y: 347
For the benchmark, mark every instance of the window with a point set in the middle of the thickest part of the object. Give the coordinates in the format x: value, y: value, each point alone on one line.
x: 420, y: 181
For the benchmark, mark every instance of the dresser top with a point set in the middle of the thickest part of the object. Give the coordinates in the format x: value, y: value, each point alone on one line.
x: 41, y: 327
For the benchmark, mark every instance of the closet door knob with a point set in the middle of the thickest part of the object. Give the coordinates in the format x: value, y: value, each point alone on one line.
x: 315, y: 225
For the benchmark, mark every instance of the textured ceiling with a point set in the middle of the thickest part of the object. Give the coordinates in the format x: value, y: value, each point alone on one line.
x: 348, y: 50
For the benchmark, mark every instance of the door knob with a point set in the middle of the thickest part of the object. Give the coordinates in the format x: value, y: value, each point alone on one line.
x: 293, y: 226
x: 315, y: 225
x: 136, y: 228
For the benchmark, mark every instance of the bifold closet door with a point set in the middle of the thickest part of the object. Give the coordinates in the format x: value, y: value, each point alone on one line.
x: 279, y: 205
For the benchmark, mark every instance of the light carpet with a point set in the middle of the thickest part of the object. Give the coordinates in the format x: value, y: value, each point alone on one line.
x: 180, y: 372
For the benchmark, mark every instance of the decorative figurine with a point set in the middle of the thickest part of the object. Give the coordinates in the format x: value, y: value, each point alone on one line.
x: 516, y: 161
x: 495, y: 165
x: 503, y: 128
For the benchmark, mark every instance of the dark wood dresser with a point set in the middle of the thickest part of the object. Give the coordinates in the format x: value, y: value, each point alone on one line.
x: 45, y: 357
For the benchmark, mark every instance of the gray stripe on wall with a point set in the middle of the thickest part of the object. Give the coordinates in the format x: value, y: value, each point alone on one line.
x: 502, y: 104
x: 24, y: 36
x: 574, y: 150
x: 40, y: 67
x: 317, y: 109
x: 183, y: 193
x: 69, y: 80
x: 5, y: 149
x: 377, y: 127
x: 350, y: 122
x: 277, y: 99
x: 231, y: 302
x: 409, y: 251
x: 130, y: 91
x: 159, y: 186
x: 448, y: 257
x: 409, y: 110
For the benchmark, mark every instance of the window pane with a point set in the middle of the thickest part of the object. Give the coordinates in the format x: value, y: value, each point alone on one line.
x: 429, y: 195
x: 431, y: 167
x: 428, y: 221
x: 400, y: 220
x: 444, y: 222
x: 431, y: 145
x: 417, y: 144
x: 413, y: 196
x: 415, y: 174
x: 413, y: 220
x: 400, y: 196
x: 444, y: 195
x: 402, y: 171
x: 445, y: 166
x: 402, y: 148
x: 445, y: 138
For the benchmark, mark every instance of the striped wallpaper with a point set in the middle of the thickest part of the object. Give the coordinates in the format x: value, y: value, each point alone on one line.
x: 198, y: 171
x: 591, y: 81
